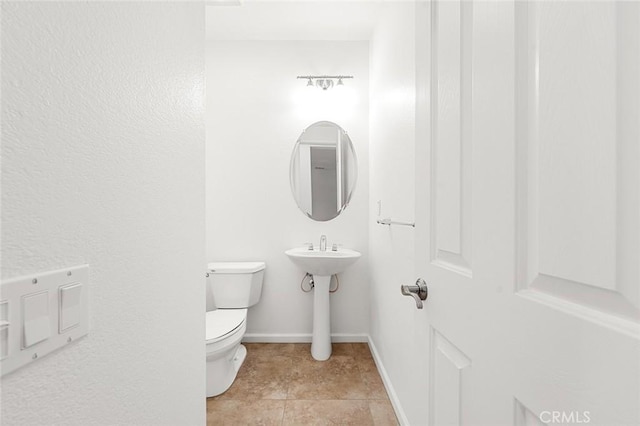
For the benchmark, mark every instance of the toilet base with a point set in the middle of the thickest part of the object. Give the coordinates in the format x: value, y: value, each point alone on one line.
x: 222, y: 370
x: 238, y: 360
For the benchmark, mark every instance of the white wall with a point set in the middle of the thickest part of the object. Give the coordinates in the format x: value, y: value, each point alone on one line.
x: 398, y: 330
x: 256, y: 110
x: 102, y: 163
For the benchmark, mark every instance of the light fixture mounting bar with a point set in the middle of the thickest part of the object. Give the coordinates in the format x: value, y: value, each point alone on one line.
x: 306, y: 77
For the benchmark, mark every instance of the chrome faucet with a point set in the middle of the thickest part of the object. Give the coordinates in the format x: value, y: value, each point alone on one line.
x: 323, y: 243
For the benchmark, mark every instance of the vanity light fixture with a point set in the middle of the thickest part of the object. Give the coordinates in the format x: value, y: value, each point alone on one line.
x: 324, y: 82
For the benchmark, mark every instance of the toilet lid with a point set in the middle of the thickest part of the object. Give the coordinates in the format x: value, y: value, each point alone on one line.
x: 235, y: 267
x: 223, y: 321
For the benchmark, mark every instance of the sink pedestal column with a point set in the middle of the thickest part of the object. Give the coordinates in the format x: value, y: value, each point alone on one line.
x: 321, y: 340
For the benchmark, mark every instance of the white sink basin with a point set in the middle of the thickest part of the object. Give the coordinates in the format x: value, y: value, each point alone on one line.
x: 322, y: 263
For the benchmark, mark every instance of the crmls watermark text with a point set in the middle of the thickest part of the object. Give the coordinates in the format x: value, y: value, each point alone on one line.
x: 565, y: 417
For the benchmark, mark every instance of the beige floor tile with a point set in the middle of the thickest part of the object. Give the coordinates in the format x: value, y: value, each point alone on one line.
x: 233, y: 413
x: 265, y: 377
x: 327, y: 413
x: 374, y: 385
x: 269, y: 349
x: 367, y: 365
x: 302, y: 350
x: 362, y: 351
x: 340, y: 349
x: 382, y: 413
x: 345, y: 389
x: 336, y: 378
x: 337, y: 349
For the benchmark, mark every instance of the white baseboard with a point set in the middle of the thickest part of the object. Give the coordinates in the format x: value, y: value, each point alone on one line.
x: 302, y: 338
x: 395, y: 401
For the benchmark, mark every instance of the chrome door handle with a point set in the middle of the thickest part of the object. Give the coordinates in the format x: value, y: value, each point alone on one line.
x: 419, y: 292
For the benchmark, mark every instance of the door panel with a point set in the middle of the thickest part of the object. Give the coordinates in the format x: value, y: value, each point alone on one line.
x: 528, y: 214
x: 451, y: 136
x: 449, y: 370
x: 525, y: 417
x: 577, y: 170
x: 578, y: 270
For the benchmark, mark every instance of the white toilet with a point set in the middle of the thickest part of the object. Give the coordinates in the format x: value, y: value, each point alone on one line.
x: 232, y: 287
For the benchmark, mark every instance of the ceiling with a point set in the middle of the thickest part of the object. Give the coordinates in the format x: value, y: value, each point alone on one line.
x: 291, y: 20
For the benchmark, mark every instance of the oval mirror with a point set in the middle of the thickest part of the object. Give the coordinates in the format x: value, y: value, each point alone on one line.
x: 323, y: 170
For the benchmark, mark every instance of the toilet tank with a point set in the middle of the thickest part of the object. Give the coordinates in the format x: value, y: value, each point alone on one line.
x: 234, y: 284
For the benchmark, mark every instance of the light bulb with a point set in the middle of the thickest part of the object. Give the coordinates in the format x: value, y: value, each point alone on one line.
x: 324, y: 83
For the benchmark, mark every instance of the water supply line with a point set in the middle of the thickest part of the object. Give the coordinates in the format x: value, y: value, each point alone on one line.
x: 311, y: 283
x: 337, y: 284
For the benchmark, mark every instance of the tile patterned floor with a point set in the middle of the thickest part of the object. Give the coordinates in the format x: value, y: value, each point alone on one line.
x: 280, y: 384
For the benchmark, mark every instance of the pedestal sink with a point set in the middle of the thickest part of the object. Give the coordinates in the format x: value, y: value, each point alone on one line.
x: 322, y: 264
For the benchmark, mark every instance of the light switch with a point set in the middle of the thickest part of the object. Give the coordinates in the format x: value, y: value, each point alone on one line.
x: 4, y: 312
x: 70, y: 306
x: 4, y: 341
x: 4, y: 329
x: 35, y: 315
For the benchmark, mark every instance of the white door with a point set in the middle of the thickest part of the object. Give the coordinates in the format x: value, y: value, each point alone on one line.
x: 527, y: 221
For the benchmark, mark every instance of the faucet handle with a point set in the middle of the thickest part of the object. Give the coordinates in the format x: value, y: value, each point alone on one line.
x: 334, y: 246
x: 309, y: 245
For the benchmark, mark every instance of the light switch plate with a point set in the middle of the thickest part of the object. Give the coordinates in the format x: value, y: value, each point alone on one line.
x: 42, y: 335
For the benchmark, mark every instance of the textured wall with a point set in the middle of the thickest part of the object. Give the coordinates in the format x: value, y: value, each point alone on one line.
x: 102, y: 163
x: 256, y: 110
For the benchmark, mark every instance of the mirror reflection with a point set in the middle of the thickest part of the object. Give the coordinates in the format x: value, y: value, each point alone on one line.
x: 323, y: 171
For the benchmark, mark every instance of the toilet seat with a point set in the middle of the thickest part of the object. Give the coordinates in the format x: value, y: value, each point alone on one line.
x: 223, y: 322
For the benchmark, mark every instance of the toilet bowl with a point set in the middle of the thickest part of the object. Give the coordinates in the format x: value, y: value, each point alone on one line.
x: 225, y: 354
x: 232, y: 287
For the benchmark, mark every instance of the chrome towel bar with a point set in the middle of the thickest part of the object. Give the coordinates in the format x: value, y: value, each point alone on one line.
x: 388, y: 221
